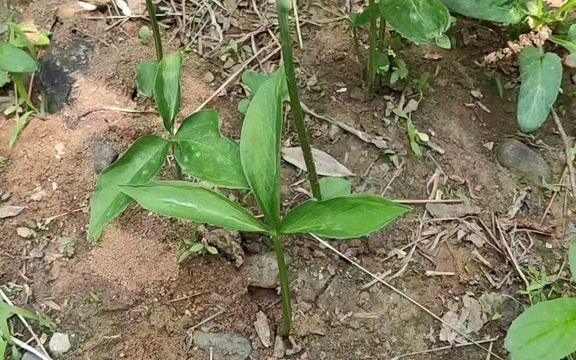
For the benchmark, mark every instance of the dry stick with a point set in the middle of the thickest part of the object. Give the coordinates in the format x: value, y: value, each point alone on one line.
x: 491, y: 341
x: 553, y: 197
x: 29, y: 348
x: 297, y: 19
x: 230, y: 79
x: 511, y: 255
x: 428, y: 201
x: 567, y: 148
x: 40, y: 345
x: 209, y: 318
x: 389, y: 286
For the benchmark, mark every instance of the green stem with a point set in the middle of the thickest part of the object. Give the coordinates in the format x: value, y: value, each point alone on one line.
x: 357, y: 50
x: 284, y: 286
x: 382, y: 40
x: 373, y: 45
x: 284, y: 7
x: 155, y: 30
x: 177, y: 166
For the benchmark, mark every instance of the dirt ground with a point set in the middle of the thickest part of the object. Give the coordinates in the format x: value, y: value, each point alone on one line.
x: 127, y: 297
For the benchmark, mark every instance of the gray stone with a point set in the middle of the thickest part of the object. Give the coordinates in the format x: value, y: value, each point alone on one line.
x: 233, y: 347
x: 30, y: 356
x: 523, y: 161
x: 59, y: 343
x: 263, y: 271
x: 103, y: 155
x: 57, y: 69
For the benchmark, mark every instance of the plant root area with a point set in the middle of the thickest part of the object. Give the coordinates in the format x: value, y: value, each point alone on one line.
x: 467, y: 260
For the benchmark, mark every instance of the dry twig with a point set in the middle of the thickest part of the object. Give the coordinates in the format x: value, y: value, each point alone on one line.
x: 567, y: 148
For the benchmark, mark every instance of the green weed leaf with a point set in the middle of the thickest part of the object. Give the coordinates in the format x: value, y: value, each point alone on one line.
x: 332, y: 187
x: 204, y: 153
x: 419, y: 21
x: 14, y: 60
x: 541, y: 77
x: 260, y: 146
x: 254, y: 79
x: 167, y: 91
x: 343, y: 217
x: 546, y: 331
x: 20, y: 125
x: 572, y: 256
x: 184, y: 200
x: 138, y: 165
x: 502, y: 11
x: 145, y: 76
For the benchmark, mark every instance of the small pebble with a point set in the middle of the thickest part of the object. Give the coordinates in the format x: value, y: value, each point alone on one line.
x: 59, y: 343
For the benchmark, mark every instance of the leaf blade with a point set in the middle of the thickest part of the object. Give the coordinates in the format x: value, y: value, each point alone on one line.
x: 204, y: 153
x: 145, y: 77
x: 183, y: 200
x: 20, y: 125
x: 260, y: 146
x: 419, y: 21
x: 167, y: 89
x: 541, y: 79
x: 14, y: 60
x: 546, y: 331
x: 332, y: 187
x: 343, y: 217
x: 502, y: 11
x: 140, y: 163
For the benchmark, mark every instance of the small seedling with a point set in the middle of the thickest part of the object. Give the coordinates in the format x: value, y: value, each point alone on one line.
x: 193, y: 247
x: 6, y: 312
x: 19, y: 57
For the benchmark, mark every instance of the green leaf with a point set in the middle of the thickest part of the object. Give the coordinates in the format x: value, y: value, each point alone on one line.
x: 4, y: 78
x: 204, y: 153
x: 546, y: 331
x: 243, y: 106
x: 419, y: 21
x: 572, y: 256
x: 145, y: 34
x: 443, y: 41
x: 20, y: 125
x: 541, y: 77
x: 343, y: 217
x: 362, y: 18
x: 138, y: 165
x: 412, y: 133
x: 167, y: 92
x: 187, y: 201
x: 145, y: 75
x: 332, y: 187
x: 254, y: 79
x: 502, y: 11
x: 260, y: 146
x: 14, y: 60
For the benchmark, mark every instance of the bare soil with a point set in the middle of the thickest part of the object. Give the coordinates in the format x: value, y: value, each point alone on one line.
x: 127, y: 297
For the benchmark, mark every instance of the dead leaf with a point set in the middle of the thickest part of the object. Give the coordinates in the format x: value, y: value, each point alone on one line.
x: 451, y: 210
x: 124, y: 8
x: 476, y: 239
x: 263, y: 329
x: 7, y: 211
x: 25, y: 232
x: 87, y: 6
x: 432, y: 56
x: 138, y: 7
x: 326, y: 165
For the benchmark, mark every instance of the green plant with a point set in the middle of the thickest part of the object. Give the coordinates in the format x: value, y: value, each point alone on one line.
x: 547, y: 330
x: 540, y: 71
x: 18, y: 57
x: 339, y: 217
x: 189, y: 247
x: 420, y: 21
x: 6, y: 312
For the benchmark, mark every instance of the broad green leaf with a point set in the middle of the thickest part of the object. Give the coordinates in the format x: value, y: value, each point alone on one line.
x: 204, y: 153
x: 20, y: 125
x: 572, y: 256
x: 342, y: 217
x: 254, y: 79
x: 145, y: 76
x: 138, y: 165
x: 420, y: 21
x: 502, y: 11
x: 187, y: 201
x: 332, y: 187
x: 4, y: 78
x: 14, y: 60
x: 260, y: 146
x: 541, y: 77
x: 546, y: 331
x: 167, y: 92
